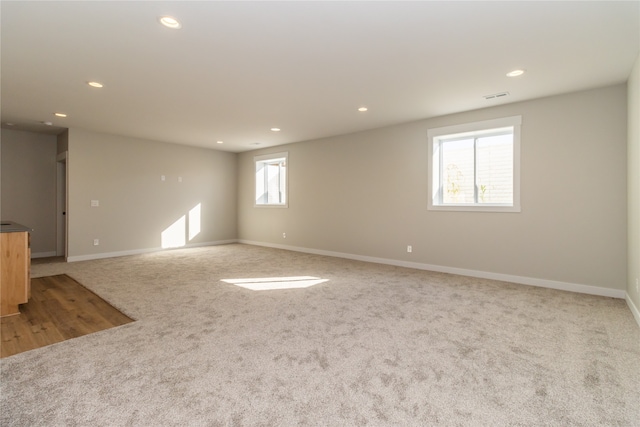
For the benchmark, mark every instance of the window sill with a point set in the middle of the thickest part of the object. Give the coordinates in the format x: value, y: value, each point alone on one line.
x: 467, y: 208
x: 271, y: 206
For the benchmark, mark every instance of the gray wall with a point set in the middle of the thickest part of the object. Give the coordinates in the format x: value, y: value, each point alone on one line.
x: 28, y: 185
x: 366, y: 194
x: 63, y: 142
x: 124, y: 175
x: 634, y: 187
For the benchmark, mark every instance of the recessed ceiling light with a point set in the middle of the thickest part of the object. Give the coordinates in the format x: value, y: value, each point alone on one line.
x: 220, y: 142
x: 95, y: 84
x: 362, y: 109
x: 275, y: 129
x: 170, y: 22
x: 515, y: 73
x: 47, y: 123
x: 9, y: 124
x: 60, y: 114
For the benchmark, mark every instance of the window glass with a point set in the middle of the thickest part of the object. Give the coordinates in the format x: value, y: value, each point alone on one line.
x: 475, y: 166
x: 271, y: 180
x: 457, y: 167
x: 494, y: 169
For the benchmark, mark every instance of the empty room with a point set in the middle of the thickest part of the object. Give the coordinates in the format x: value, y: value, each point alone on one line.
x: 320, y: 213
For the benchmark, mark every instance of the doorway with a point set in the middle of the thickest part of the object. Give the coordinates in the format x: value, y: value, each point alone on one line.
x: 61, y: 204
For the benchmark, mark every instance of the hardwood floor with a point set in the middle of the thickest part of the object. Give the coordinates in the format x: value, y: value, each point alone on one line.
x: 59, y: 309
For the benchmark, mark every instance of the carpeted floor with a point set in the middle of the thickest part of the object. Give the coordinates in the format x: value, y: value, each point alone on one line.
x: 371, y: 345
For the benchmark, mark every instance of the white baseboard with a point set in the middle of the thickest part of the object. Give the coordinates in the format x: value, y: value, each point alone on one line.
x: 43, y: 254
x: 633, y: 308
x: 531, y: 281
x: 143, y: 251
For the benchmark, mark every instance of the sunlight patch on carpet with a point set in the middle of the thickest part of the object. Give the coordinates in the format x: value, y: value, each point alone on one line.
x: 270, y: 283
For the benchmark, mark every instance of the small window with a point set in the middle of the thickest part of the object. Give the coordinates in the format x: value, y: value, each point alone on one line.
x: 475, y: 166
x: 271, y: 180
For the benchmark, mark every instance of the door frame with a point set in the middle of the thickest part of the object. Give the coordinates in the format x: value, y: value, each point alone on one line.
x: 62, y: 205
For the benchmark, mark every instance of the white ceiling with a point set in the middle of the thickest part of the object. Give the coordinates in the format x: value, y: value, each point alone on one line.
x: 237, y: 69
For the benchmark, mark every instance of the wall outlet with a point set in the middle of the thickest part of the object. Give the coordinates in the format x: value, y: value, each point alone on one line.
x: 284, y: 235
x: 409, y: 249
x: 96, y: 242
x: 95, y: 203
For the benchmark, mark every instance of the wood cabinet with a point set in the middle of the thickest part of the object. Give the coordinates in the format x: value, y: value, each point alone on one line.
x: 15, y: 264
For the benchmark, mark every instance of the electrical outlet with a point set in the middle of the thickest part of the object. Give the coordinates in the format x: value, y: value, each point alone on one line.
x: 95, y: 203
x: 409, y: 249
x: 284, y: 235
x: 96, y: 242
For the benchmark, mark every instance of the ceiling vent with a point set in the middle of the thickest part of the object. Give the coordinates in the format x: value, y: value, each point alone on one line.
x: 496, y: 95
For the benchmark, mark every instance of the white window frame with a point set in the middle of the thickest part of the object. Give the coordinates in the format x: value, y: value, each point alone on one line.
x: 259, y: 162
x: 468, y: 129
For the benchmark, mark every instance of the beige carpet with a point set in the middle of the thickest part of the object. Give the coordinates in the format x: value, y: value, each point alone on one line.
x: 373, y: 345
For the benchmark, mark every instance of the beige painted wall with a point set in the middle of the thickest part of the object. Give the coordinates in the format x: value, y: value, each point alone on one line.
x: 63, y: 142
x: 366, y: 194
x: 633, y: 88
x: 29, y: 186
x: 124, y: 175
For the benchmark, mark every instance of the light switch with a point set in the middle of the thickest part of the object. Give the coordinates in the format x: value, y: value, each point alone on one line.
x: 162, y: 177
x: 95, y: 203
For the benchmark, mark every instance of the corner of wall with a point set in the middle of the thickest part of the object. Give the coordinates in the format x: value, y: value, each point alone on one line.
x: 633, y: 190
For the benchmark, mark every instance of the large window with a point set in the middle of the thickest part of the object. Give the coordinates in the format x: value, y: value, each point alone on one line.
x: 271, y: 180
x: 475, y: 166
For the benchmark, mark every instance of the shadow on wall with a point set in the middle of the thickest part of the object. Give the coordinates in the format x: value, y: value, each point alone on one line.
x: 183, y: 230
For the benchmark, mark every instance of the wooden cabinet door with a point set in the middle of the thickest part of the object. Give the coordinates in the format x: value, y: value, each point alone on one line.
x: 15, y: 266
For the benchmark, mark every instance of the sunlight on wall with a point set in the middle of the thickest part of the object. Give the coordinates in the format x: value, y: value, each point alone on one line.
x: 194, y: 221
x: 269, y: 283
x: 175, y: 235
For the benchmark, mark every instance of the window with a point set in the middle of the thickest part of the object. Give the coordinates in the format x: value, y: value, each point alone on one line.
x: 475, y: 166
x: 271, y: 180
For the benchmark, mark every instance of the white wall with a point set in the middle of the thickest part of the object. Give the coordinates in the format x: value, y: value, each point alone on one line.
x: 365, y: 194
x: 135, y: 205
x: 633, y: 88
x: 29, y: 186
